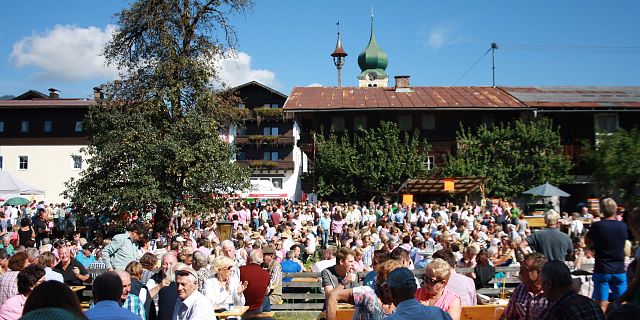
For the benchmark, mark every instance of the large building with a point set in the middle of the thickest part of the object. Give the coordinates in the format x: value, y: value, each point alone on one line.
x: 265, y: 140
x: 40, y: 140
x: 581, y: 113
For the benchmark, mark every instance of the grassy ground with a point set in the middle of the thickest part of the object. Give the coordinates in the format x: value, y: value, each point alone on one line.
x: 296, y: 315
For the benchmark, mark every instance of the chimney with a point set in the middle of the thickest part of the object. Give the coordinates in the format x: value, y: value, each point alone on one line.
x: 402, y: 84
x: 54, y: 93
x: 97, y: 93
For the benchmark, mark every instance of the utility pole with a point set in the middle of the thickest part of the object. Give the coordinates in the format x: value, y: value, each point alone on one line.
x: 494, y: 46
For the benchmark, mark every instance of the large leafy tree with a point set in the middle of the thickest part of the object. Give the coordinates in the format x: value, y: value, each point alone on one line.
x: 615, y: 161
x: 155, y: 136
x: 514, y: 156
x: 373, y: 162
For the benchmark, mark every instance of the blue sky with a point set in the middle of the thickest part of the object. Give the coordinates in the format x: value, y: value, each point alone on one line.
x: 286, y: 43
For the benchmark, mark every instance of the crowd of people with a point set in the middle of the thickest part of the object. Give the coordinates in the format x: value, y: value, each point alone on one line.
x: 389, y: 260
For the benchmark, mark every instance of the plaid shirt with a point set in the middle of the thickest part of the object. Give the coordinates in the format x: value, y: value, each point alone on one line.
x: 135, y: 305
x: 525, y: 305
x: 8, y: 285
x: 574, y: 306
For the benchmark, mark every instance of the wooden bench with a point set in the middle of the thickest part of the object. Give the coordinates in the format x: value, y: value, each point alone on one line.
x: 261, y: 315
x: 480, y: 312
x: 483, y: 312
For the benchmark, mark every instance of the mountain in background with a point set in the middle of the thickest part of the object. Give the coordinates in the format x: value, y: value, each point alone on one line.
x: 7, y: 97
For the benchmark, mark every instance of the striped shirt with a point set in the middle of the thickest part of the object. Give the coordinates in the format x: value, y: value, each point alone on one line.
x: 525, y: 304
x: 135, y: 305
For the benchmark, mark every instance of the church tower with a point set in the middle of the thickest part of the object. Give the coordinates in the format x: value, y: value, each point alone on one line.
x: 373, y: 63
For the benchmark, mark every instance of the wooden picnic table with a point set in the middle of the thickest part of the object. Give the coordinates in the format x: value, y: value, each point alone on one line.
x: 236, y: 311
x: 304, y: 279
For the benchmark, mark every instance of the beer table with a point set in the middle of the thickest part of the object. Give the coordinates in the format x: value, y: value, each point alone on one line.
x: 236, y: 311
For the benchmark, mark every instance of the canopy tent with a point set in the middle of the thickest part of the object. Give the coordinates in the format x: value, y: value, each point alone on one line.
x: 546, y: 190
x: 263, y: 189
x: 462, y: 185
x: 12, y: 185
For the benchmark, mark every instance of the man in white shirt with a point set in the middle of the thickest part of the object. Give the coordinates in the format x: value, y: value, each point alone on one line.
x: 48, y: 261
x: 328, y: 260
x: 191, y: 304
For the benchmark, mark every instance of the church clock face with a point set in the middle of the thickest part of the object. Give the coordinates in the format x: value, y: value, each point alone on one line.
x: 371, y: 75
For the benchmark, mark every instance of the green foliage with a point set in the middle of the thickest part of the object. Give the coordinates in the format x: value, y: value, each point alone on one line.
x: 269, y: 113
x: 615, y: 161
x: 154, y: 138
x: 515, y: 156
x: 376, y: 162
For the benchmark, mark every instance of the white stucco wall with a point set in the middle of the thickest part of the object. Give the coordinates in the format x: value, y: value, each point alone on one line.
x: 49, y: 167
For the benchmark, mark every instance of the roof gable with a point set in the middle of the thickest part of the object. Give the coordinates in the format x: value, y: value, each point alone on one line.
x: 30, y: 95
x: 259, y: 85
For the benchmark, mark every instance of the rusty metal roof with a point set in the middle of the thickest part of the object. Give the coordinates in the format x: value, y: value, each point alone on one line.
x: 577, y: 97
x: 462, y: 185
x: 47, y: 103
x: 354, y: 98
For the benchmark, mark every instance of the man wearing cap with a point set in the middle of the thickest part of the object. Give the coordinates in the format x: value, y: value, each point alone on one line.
x: 401, y: 286
x: 86, y: 257
x: 275, y: 275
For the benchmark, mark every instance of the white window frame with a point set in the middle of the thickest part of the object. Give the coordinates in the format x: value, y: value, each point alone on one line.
x: 431, y: 162
x: 20, y: 168
x: 281, y: 182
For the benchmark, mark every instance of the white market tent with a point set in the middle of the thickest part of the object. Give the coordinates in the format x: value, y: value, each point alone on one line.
x: 12, y: 186
x: 263, y: 189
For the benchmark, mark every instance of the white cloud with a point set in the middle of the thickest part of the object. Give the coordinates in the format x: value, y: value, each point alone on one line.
x: 315, y: 84
x: 237, y: 70
x: 66, y: 52
x: 72, y: 53
x: 440, y: 36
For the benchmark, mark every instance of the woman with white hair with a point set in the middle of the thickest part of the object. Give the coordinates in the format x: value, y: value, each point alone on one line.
x: 199, y: 264
x: 222, y: 289
x: 434, y: 292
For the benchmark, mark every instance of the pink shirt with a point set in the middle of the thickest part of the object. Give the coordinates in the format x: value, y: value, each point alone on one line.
x: 443, y: 302
x: 12, y: 308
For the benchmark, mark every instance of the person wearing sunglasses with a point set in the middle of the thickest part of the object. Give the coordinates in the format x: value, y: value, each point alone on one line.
x: 434, y: 291
x: 369, y: 303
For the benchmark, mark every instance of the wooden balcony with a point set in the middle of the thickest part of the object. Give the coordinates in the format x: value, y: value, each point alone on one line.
x: 264, y: 140
x: 267, y: 164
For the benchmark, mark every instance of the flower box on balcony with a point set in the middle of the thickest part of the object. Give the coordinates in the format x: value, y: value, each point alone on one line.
x: 263, y: 164
x: 269, y: 113
x: 263, y: 139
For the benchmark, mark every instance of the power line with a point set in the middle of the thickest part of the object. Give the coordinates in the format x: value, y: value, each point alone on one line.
x: 473, y: 65
x: 525, y: 46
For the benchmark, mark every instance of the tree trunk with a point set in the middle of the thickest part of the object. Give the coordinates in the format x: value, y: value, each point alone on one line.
x: 161, y: 219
